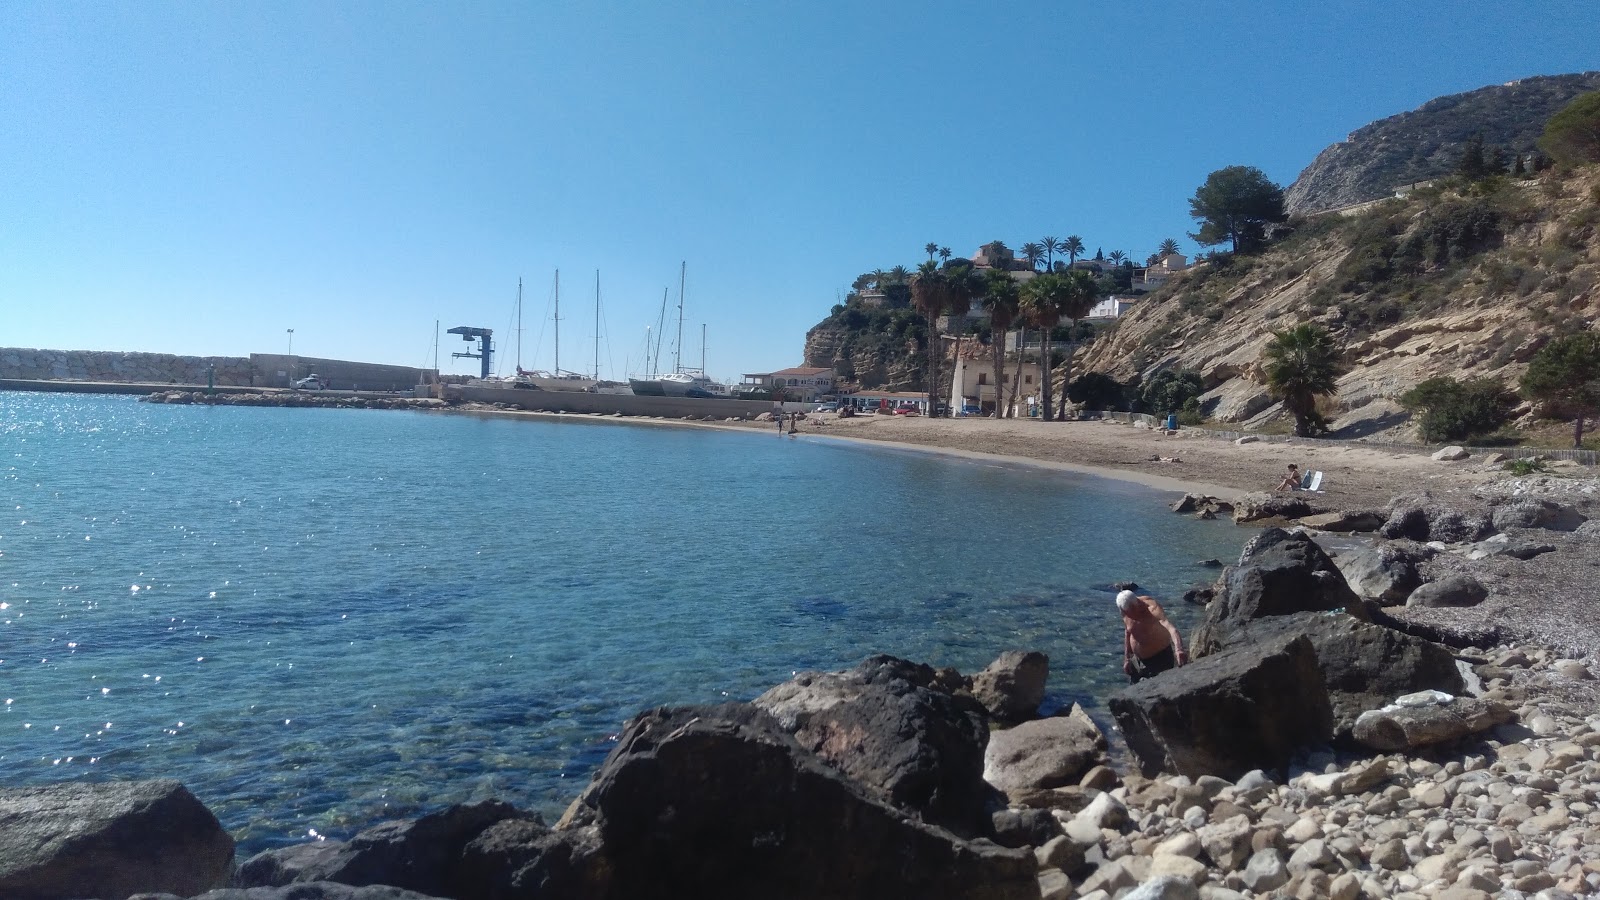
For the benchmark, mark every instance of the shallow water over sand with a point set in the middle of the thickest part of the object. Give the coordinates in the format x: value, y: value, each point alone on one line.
x: 318, y: 619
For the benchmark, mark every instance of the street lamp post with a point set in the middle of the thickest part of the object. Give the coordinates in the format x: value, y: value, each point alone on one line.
x: 291, y: 357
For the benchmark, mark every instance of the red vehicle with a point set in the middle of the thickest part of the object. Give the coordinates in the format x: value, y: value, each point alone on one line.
x: 906, y: 411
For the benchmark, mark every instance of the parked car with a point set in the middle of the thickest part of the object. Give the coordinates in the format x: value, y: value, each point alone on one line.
x: 311, y: 383
x: 970, y: 410
x: 828, y: 407
x: 906, y: 411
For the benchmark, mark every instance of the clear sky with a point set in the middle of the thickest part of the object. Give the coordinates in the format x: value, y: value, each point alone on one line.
x: 201, y: 177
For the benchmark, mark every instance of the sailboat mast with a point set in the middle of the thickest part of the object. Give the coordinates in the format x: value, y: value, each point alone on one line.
x: 677, y: 349
x: 702, y: 348
x: 519, y: 324
x: 558, y: 323
x: 596, y: 324
x: 661, y: 332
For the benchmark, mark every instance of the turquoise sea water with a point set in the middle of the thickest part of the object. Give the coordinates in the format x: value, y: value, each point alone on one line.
x: 319, y: 619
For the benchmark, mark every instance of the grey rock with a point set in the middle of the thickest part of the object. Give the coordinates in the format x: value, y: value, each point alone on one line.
x: 109, y: 840
x: 1535, y: 513
x: 1355, y: 520
x: 1044, y: 753
x: 1024, y: 827
x: 1012, y: 686
x: 1452, y: 590
x: 1265, y: 872
x: 1227, y: 842
x: 1386, y: 573
x: 1164, y: 887
x: 1451, y: 454
x: 1278, y: 573
x: 1263, y: 506
x: 1401, y: 727
x: 1062, y: 852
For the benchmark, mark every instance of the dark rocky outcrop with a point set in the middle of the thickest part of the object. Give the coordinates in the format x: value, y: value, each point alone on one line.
x: 1278, y: 573
x: 1025, y: 827
x: 1236, y: 710
x: 722, y: 801
x: 422, y: 855
x: 1012, y: 687
x: 109, y: 840
x: 1452, y: 590
x: 1044, y: 753
x: 900, y: 729
x: 1363, y: 666
x: 1421, y: 518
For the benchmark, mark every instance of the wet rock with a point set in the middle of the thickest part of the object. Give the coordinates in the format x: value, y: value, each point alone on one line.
x: 109, y: 840
x: 421, y: 855
x: 1452, y: 590
x: 1012, y: 687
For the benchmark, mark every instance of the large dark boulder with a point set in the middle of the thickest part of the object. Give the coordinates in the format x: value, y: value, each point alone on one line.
x: 723, y: 802
x: 109, y: 840
x: 900, y: 730
x: 1363, y: 666
x: 1278, y: 573
x: 1012, y: 687
x: 1262, y: 506
x: 520, y: 858
x: 1386, y: 572
x: 422, y: 855
x: 1245, y: 708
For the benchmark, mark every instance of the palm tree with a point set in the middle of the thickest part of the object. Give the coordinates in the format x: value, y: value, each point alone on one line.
x: 1033, y: 252
x: 1042, y: 301
x: 944, y: 254
x: 880, y: 279
x: 1302, y: 364
x: 1051, y: 246
x: 1000, y: 302
x: 1116, y: 257
x: 1168, y: 246
x: 1077, y: 301
x: 1073, y: 248
x: 930, y: 294
x: 930, y: 248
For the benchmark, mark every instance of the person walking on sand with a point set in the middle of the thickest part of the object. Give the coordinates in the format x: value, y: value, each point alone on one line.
x: 1150, y: 642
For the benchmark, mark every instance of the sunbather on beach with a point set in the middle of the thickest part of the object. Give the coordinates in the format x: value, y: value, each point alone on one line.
x: 1291, y: 479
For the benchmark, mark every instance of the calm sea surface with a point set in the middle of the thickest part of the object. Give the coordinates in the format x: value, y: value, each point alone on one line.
x: 318, y: 619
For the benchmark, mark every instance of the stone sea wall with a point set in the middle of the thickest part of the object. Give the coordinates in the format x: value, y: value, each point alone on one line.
x: 113, y: 366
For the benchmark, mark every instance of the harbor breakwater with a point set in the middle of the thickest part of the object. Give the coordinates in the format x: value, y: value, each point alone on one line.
x: 256, y: 370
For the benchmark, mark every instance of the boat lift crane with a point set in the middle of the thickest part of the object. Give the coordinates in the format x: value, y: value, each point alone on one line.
x: 485, y: 345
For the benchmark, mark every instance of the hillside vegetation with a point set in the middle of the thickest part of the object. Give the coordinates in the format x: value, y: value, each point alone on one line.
x: 1463, y: 279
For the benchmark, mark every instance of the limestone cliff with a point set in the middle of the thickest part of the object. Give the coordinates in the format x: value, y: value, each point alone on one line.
x: 875, y: 348
x: 1427, y: 142
x: 1460, y: 280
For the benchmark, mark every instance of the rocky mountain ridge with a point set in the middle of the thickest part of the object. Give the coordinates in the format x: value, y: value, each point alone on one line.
x: 1480, y: 307
x: 1426, y: 142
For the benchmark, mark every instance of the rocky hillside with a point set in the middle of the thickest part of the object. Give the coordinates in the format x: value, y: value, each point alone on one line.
x: 876, y: 348
x: 1427, y: 142
x: 1460, y: 280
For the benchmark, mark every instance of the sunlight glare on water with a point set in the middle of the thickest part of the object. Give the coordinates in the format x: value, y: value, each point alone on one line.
x: 318, y: 619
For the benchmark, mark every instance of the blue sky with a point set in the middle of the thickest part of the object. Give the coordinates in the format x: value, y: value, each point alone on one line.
x: 201, y: 177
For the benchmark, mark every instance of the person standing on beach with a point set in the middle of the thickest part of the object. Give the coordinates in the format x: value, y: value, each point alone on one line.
x: 1150, y: 642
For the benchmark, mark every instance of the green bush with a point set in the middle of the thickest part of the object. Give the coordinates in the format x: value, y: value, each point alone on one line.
x: 1521, y: 467
x: 1451, y: 233
x: 1168, y: 391
x: 1457, y: 410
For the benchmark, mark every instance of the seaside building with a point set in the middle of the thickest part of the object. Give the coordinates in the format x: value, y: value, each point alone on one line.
x: 886, y: 400
x: 803, y: 383
x: 1111, y: 307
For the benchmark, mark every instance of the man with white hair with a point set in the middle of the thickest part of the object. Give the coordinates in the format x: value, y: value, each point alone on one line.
x: 1150, y: 643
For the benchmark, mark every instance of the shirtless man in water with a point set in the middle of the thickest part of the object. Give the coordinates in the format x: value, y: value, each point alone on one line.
x: 1150, y: 642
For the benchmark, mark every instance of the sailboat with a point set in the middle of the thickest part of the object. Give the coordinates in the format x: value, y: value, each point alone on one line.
x: 561, y: 380
x: 680, y: 382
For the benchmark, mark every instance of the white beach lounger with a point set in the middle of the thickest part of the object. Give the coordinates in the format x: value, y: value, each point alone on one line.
x: 1312, y: 482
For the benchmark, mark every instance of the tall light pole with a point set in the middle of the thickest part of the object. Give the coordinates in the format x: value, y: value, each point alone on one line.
x: 291, y: 357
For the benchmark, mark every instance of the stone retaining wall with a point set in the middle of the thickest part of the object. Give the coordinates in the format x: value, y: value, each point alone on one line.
x: 115, y: 366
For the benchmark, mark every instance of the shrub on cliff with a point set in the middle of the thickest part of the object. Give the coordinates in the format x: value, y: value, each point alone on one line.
x: 1572, y: 136
x: 1170, y: 391
x: 1454, y: 410
x: 1566, y: 373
